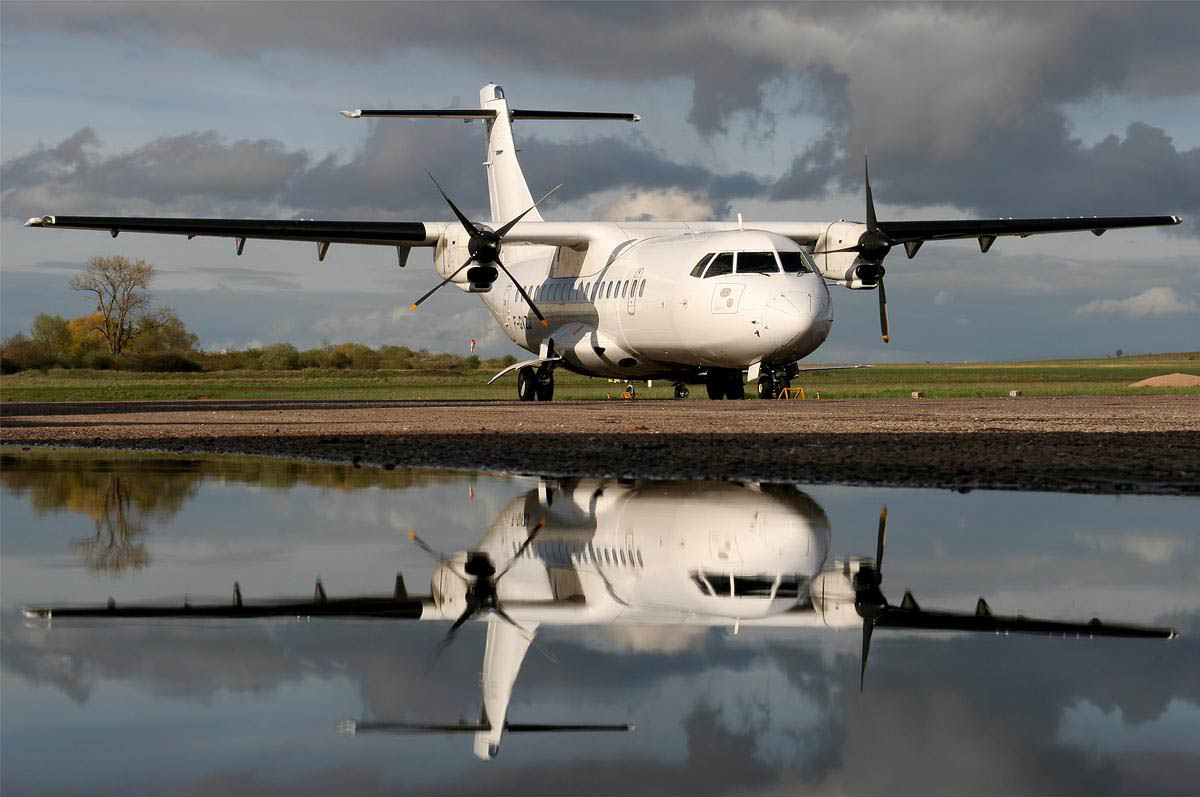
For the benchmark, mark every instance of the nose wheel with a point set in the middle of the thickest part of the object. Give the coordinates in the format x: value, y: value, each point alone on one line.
x: 771, y: 386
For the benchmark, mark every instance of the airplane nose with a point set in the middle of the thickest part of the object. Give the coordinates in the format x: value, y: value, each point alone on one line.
x: 787, y: 318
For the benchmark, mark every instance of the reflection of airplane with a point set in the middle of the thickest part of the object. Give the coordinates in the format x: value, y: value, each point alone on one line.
x: 601, y: 552
x: 716, y: 302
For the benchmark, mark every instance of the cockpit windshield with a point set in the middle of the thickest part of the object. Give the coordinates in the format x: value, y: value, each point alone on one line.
x: 796, y: 262
x: 757, y: 263
x: 761, y: 585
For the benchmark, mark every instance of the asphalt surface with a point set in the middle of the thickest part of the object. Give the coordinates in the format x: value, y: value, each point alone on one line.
x: 1109, y: 444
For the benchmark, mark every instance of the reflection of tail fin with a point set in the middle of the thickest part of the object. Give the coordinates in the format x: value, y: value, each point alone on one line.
x: 507, y: 189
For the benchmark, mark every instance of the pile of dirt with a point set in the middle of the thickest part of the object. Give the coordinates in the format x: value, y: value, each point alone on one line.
x: 1169, y: 380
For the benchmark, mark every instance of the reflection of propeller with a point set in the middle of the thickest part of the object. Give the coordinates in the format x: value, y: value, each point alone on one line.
x: 481, y: 594
x: 485, y: 245
x: 872, y: 247
x: 868, y: 598
x: 875, y: 611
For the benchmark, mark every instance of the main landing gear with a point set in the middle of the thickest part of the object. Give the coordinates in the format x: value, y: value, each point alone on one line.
x: 722, y: 384
x: 535, y: 384
x: 681, y: 390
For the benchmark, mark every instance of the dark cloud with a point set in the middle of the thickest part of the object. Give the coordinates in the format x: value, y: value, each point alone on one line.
x: 199, y: 173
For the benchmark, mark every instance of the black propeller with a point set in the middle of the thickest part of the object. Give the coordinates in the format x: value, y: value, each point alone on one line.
x: 876, y: 612
x: 481, y: 594
x: 872, y: 247
x: 485, y: 245
x: 868, y: 598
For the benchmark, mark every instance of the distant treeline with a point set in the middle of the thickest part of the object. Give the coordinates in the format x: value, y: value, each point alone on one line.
x: 55, y: 342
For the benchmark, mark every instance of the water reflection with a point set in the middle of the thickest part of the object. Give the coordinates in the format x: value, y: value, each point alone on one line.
x: 624, y: 584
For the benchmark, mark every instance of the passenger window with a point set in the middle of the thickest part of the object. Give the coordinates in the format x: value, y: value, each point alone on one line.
x: 698, y: 269
x: 642, y: 290
x: 794, y: 262
x: 608, y: 291
x: 721, y: 265
x: 757, y: 263
x: 622, y: 555
x: 640, y: 562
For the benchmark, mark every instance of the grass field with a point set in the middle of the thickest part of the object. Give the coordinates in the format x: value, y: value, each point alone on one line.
x: 1041, y: 378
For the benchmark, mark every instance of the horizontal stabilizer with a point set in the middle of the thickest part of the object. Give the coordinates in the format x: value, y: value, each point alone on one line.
x: 467, y: 114
x: 353, y: 726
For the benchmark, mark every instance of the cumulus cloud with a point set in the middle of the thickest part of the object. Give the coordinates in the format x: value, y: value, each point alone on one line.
x: 1150, y: 302
x: 657, y: 205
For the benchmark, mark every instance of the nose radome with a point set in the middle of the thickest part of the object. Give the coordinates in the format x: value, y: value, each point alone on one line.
x: 786, y: 317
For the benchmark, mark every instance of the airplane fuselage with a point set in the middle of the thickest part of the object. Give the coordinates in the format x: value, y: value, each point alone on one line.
x: 640, y: 311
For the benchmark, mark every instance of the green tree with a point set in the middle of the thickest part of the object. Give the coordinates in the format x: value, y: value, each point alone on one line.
x: 50, y: 334
x: 280, y: 357
x: 164, y: 331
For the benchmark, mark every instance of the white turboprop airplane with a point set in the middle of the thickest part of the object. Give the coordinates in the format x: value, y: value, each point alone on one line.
x: 599, y: 552
x: 714, y: 302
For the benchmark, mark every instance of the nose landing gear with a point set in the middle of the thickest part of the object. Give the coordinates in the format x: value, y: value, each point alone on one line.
x: 771, y: 386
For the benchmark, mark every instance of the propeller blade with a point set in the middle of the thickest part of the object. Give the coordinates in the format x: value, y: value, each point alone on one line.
x: 471, y: 229
x: 436, y: 554
x: 868, y: 627
x: 855, y: 248
x: 503, y: 615
x: 441, y: 284
x: 524, y: 295
x: 521, y: 551
x: 883, y: 314
x: 872, y: 222
x: 448, y: 638
x: 881, y: 539
x: 503, y: 230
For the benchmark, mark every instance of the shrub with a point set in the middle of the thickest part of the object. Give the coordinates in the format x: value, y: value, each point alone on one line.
x: 100, y: 362
x: 279, y: 357
x: 163, y: 362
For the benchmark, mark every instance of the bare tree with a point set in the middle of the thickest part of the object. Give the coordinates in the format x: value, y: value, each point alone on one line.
x: 121, y: 298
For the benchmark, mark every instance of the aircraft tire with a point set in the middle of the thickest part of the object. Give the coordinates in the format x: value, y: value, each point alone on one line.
x: 544, y: 387
x: 768, y: 387
x: 526, y: 384
x: 780, y: 386
x: 681, y: 390
x: 736, y: 390
x: 715, y: 385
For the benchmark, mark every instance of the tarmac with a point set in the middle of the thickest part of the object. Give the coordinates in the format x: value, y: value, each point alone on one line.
x: 1104, y: 444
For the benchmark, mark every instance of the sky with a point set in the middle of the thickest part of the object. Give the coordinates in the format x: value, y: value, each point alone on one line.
x: 976, y: 110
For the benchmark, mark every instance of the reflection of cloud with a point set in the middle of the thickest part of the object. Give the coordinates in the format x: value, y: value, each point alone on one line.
x: 1152, y: 301
x: 1153, y: 549
x: 654, y: 639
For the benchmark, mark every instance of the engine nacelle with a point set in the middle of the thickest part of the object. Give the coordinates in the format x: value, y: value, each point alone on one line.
x: 848, y: 268
x: 480, y: 278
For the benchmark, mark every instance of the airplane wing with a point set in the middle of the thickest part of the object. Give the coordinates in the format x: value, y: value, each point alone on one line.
x: 909, y: 615
x: 906, y: 231
x: 400, y: 606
